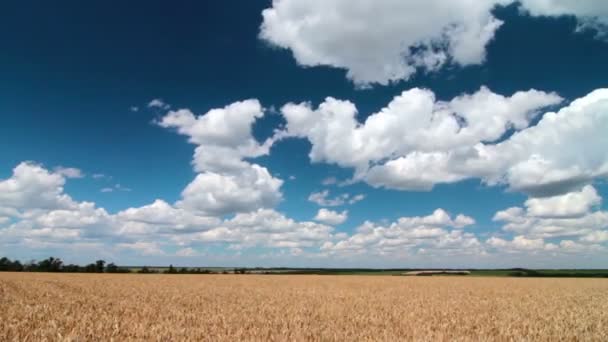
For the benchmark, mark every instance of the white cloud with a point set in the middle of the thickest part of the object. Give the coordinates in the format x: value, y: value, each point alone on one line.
x: 596, y: 236
x: 69, y: 172
x: 417, y: 141
x: 226, y: 183
x: 217, y: 194
x: 356, y: 198
x: 31, y: 187
x: 571, y: 204
x: 187, y: 252
x: 568, y: 215
x: 409, y: 35
x: 385, y: 41
x: 331, y: 217
x: 100, y: 176
x: 518, y: 243
x: 591, y: 14
x: 410, y: 235
x: 158, y: 103
x: 264, y: 227
x: 143, y: 248
x: 329, y: 181
x: 546, y: 159
x: 134, y: 109
x: 323, y: 199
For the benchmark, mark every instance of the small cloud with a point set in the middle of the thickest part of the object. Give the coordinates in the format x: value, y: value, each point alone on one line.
x: 116, y: 187
x: 356, y: 198
x: 187, y: 252
x: 100, y: 176
x: 292, y: 177
x: 69, y: 172
x: 323, y: 199
x: 329, y: 181
x: 121, y: 188
x: 158, y: 103
x: 134, y: 109
x: 331, y: 217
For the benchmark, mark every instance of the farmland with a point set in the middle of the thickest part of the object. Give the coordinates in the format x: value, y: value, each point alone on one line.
x: 46, y: 306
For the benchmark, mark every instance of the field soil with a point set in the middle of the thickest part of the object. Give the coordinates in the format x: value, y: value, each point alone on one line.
x: 57, y: 307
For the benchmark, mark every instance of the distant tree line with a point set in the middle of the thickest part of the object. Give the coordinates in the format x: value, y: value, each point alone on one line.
x: 53, y: 264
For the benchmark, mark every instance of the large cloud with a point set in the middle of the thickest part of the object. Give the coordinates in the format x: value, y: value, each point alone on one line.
x: 388, y: 40
x: 381, y: 41
x: 572, y: 215
x: 426, y: 234
x: 226, y: 182
x: 417, y: 141
x: 55, y: 220
x: 32, y: 187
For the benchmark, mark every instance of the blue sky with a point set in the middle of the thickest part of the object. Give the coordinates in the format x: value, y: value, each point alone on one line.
x: 323, y: 137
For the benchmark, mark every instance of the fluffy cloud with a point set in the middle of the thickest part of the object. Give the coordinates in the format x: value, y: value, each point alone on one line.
x: 417, y: 141
x: 227, y: 183
x: 565, y: 216
x: 331, y: 217
x: 323, y: 199
x: 427, y: 234
x: 32, y: 187
x: 411, y: 34
x: 590, y: 14
x: 546, y: 159
x: 265, y: 228
x: 572, y: 204
x: 55, y: 220
x: 162, y: 215
x: 217, y: 194
x: 519, y: 243
x: 69, y: 172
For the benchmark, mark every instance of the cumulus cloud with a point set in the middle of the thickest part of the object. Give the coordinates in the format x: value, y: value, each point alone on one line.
x: 417, y: 141
x: 226, y: 182
x: 347, y: 34
x: 411, y: 35
x: 52, y: 218
x: 32, y: 187
x: 574, y: 204
x: 569, y: 216
x: 217, y: 194
x: 430, y: 233
x: 591, y: 14
x: 265, y: 228
x: 331, y: 217
x: 323, y: 199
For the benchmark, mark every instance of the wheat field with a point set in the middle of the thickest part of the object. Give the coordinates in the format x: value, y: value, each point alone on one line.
x: 57, y: 307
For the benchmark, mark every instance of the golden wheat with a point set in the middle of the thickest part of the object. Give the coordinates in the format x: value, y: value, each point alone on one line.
x: 38, y: 307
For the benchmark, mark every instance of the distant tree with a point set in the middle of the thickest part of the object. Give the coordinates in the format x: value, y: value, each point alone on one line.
x: 170, y: 270
x: 112, y: 268
x: 7, y: 265
x: 99, y: 266
x: 90, y: 268
x: 144, y: 269
x: 72, y: 268
x: 50, y: 265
